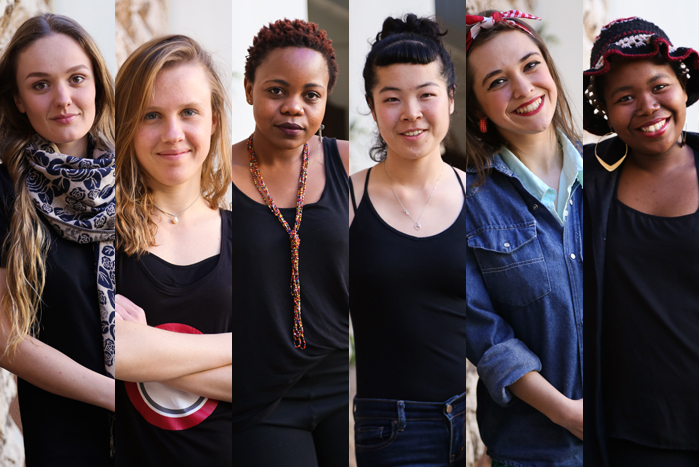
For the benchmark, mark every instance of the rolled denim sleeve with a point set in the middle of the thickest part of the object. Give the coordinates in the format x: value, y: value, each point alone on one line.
x: 501, y: 359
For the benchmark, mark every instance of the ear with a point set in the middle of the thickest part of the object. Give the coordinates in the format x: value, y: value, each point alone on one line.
x: 451, y: 95
x: 214, y: 122
x: 19, y: 104
x: 248, y: 86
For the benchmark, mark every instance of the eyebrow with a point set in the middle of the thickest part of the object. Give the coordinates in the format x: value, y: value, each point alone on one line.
x: 495, y: 72
x: 285, y: 83
x: 391, y: 88
x: 41, y: 74
x: 186, y: 105
x: 649, y: 81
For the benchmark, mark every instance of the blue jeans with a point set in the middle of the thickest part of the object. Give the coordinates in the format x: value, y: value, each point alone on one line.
x: 393, y: 433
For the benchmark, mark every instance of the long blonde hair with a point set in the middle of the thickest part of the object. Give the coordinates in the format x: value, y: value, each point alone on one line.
x: 136, y: 230
x: 27, y: 244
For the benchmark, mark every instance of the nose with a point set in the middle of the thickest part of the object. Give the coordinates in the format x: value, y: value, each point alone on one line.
x: 293, y: 106
x: 522, y: 87
x: 411, y: 110
x: 172, y: 133
x: 62, y: 96
x: 647, y: 104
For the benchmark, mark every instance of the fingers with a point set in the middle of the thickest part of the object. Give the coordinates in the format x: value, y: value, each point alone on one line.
x: 129, y: 311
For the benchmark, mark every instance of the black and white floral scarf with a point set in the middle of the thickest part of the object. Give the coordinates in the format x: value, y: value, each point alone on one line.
x: 76, y: 196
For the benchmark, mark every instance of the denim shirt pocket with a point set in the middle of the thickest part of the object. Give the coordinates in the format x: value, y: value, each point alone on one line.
x: 511, y: 263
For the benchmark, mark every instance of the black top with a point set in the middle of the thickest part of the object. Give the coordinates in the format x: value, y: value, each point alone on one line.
x: 266, y: 363
x: 650, y: 328
x: 599, y: 194
x: 155, y: 424
x: 408, y: 308
x: 60, y: 431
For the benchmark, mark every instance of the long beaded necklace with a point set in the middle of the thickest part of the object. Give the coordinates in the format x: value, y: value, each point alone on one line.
x: 298, y: 331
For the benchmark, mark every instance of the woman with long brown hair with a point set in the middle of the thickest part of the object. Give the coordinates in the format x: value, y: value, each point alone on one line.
x: 57, y: 224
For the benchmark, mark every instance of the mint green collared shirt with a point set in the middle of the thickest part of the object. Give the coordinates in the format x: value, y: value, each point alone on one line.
x: 572, y: 171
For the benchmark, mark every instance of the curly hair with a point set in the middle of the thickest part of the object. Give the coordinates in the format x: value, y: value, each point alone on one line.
x: 291, y: 33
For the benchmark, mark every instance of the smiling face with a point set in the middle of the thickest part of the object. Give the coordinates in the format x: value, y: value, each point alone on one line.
x: 174, y: 136
x: 645, y: 104
x: 289, y: 96
x: 513, y: 85
x: 56, y: 90
x: 412, y: 108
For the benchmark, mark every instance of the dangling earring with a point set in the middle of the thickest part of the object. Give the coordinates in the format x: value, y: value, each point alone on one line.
x: 320, y: 133
x: 608, y: 167
x: 482, y: 125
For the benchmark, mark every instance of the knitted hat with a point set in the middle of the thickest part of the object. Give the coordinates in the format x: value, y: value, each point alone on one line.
x: 632, y: 38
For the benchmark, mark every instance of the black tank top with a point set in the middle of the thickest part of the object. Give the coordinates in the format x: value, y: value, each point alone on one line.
x: 157, y: 425
x: 266, y: 363
x: 650, y: 328
x: 408, y: 308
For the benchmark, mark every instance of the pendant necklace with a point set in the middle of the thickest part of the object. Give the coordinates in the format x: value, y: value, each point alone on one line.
x: 298, y: 330
x: 175, y: 220
x: 416, y: 223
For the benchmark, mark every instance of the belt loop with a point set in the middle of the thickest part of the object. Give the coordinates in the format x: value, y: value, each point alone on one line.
x: 402, y: 415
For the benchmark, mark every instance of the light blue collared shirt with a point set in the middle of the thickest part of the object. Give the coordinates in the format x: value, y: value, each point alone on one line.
x: 572, y: 171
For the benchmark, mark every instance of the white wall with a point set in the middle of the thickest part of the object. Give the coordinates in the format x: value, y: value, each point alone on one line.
x: 97, y: 18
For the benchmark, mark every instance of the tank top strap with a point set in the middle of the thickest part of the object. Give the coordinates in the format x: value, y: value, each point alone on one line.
x: 335, y: 164
x: 352, y: 195
x: 364, y: 193
x: 459, y: 179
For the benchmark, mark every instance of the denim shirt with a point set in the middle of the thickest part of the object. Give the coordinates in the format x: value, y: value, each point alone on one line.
x: 524, y: 313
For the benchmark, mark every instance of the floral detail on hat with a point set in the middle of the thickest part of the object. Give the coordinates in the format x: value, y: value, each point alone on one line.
x: 638, y: 40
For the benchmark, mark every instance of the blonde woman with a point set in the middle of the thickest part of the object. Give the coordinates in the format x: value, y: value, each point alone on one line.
x: 175, y: 258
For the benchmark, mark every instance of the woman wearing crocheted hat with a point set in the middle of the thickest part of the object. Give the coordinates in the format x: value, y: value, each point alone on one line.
x: 290, y: 198
x: 641, y: 244
x: 524, y: 264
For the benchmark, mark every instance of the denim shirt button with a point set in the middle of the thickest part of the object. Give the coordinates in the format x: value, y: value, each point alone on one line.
x: 449, y: 409
x: 535, y: 207
x: 507, y: 245
x: 573, y: 256
x: 571, y: 201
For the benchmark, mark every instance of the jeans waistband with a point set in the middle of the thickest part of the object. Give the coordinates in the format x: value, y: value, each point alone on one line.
x: 409, y: 410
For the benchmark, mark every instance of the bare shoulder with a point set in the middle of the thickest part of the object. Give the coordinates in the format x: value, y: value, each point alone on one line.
x: 344, y: 150
x: 239, y: 154
x: 358, y: 184
x: 462, y: 174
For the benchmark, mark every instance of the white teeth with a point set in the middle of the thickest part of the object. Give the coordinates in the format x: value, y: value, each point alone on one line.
x: 530, y: 107
x: 653, y: 128
x: 413, y: 133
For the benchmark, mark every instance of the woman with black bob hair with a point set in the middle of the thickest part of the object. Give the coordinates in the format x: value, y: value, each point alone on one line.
x: 408, y: 215
x: 641, y: 245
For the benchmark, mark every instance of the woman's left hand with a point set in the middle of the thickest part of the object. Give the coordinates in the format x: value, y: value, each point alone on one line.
x: 129, y: 311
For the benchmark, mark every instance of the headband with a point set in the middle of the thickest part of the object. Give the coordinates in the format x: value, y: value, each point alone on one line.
x: 487, y: 22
